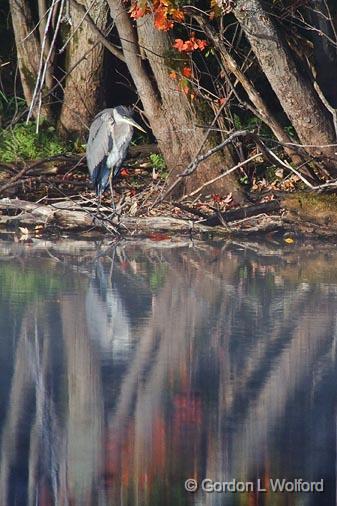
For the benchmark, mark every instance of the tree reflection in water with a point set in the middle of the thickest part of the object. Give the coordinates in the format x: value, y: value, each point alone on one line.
x: 127, y: 371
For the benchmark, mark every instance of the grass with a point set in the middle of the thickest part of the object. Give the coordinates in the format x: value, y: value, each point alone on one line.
x: 23, y: 143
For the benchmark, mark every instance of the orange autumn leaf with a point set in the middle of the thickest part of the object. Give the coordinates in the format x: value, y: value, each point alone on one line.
x: 124, y: 172
x: 201, y: 44
x: 160, y: 19
x: 137, y: 12
x: 189, y: 45
x: 173, y: 74
x: 187, y: 71
x: 178, y: 44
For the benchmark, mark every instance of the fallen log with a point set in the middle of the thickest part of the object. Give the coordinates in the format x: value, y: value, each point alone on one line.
x: 242, y: 212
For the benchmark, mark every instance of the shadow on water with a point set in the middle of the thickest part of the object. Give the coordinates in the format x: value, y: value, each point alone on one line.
x: 128, y: 370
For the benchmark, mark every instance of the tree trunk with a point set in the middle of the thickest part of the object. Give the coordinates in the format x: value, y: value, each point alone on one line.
x: 28, y: 49
x: 313, y: 124
x: 82, y: 93
x: 173, y: 119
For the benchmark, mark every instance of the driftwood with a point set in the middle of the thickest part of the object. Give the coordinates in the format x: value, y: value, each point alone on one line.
x: 15, y: 212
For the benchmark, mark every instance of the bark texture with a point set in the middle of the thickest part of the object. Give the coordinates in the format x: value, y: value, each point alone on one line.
x: 296, y: 93
x: 82, y: 93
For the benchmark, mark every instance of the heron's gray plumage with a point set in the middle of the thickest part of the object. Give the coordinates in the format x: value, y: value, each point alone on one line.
x: 109, y: 137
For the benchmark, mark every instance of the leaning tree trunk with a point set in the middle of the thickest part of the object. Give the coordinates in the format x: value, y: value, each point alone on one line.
x: 173, y: 119
x: 312, y: 122
x: 82, y: 93
x: 28, y: 49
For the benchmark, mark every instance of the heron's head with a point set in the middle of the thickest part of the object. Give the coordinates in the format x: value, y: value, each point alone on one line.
x: 123, y: 114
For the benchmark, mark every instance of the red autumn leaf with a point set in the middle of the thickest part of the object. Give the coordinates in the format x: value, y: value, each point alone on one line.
x: 124, y: 172
x: 187, y: 71
x: 216, y: 197
x: 158, y: 236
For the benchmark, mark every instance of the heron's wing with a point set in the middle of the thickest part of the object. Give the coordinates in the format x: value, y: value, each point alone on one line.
x: 99, y: 144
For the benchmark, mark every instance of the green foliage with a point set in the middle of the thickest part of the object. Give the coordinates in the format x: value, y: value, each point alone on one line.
x: 290, y: 130
x: 157, y: 161
x: 23, y: 143
x: 250, y: 123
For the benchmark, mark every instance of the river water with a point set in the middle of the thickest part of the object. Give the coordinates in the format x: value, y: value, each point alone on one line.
x: 127, y: 370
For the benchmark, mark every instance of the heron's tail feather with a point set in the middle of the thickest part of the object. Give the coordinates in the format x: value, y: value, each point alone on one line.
x: 100, y: 178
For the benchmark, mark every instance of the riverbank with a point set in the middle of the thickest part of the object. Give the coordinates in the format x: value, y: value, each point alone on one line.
x: 54, y: 198
x: 296, y: 216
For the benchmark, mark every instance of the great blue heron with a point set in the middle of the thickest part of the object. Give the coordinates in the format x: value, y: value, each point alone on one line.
x: 109, y: 137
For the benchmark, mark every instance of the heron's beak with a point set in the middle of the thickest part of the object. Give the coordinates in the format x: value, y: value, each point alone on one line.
x: 134, y: 124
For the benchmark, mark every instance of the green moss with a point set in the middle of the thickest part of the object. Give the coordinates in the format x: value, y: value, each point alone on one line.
x: 317, y: 202
x: 318, y: 209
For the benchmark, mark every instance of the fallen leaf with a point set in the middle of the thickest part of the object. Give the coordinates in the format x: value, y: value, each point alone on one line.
x: 158, y: 236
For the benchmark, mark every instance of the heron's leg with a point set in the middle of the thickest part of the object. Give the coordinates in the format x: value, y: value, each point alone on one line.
x: 99, y: 203
x: 111, y: 190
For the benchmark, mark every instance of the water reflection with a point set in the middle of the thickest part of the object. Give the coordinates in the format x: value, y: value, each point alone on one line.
x: 126, y: 371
